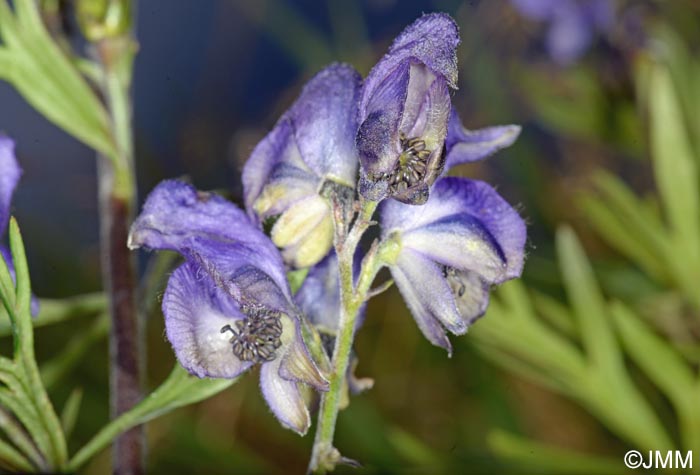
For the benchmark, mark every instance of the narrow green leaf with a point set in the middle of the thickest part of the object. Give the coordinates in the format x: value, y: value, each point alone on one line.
x: 662, y: 364
x: 179, y: 389
x: 674, y: 167
x: 541, y: 458
x: 19, y: 259
x: 608, y: 392
x: 70, y: 412
x: 24, y: 344
x: 587, y: 302
x: 21, y: 407
x: 521, y: 366
x: 18, y: 436
x: 13, y: 460
x: 7, y: 286
x: 685, y: 72
x: 28, y: 15
x: 555, y: 313
x: 8, y: 25
x: 514, y: 296
x: 413, y: 449
x: 635, y: 215
x: 530, y: 341
x: 612, y: 227
x: 665, y: 367
x: 48, y: 80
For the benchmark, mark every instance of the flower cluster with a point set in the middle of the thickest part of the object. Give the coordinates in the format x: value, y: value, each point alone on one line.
x: 346, y: 144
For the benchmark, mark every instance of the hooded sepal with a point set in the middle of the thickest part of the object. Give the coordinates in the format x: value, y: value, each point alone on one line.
x: 404, y: 108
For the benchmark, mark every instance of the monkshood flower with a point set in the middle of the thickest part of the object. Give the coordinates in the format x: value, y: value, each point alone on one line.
x: 10, y: 174
x: 310, y: 149
x: 229, y: 306
x: 451, y: 251
x: 404, y: 109
x: 571, y: 24
x: 409, y: 134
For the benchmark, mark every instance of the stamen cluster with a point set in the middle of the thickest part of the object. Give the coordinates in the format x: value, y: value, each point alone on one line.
x: 257, y: 337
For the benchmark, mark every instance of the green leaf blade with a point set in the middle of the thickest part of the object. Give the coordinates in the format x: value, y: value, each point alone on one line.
x: 179, y: 389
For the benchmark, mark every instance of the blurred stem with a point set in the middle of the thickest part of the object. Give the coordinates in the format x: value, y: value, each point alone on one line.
x: 117, y: 192
x: 325, y: 457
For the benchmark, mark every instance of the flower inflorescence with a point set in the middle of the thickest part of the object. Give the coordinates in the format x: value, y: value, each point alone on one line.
x: 345, y: 148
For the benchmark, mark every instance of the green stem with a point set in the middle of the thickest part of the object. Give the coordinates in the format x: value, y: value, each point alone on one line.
x: 324, y: 456
x: 24, y: 355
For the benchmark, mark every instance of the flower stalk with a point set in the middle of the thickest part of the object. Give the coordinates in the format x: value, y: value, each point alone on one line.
x: 324, y: 456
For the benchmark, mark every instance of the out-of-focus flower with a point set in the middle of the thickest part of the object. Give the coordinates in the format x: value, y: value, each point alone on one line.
x: 311, y: 148
x: 404, y: 109
x: 10, y: 173
x: 571, y: 24
x: 229, y: 306
x: 451, y: 250
x: 9, y: 177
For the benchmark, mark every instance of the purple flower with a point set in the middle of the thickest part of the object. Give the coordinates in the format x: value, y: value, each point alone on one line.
x: 404, y: 109
x: 229, y: 306
x: 409, y: 134
x: 572, y: 24
x: 9, y: 177
x: 463, y: 240
x: 10, y: 173
x: 310, y: 149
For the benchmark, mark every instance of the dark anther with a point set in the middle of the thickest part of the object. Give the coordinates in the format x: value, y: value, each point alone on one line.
x: 454, y: 280
x: 256, y: 337
x: 412, y: 165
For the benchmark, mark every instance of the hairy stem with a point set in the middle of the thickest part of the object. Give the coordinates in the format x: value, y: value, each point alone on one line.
x: 117, y: 203
x: 324, y: 456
